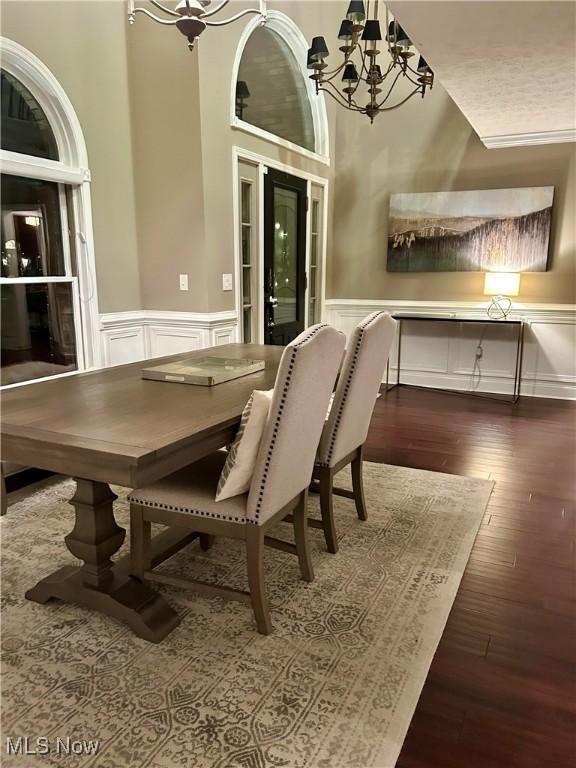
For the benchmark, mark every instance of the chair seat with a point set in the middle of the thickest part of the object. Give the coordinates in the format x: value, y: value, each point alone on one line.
x: 192, y: 490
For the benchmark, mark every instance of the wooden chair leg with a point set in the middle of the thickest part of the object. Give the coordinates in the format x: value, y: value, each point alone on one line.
x: 327, y: 509
x: 140, y: 542
x: 300, y: 517
x: 358, y: 485
x: 254, y: 555
x: 206, y: 541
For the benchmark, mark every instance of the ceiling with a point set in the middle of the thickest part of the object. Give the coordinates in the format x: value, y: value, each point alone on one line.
x: 509, y: 66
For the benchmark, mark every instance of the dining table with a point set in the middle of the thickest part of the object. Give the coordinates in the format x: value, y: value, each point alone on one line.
x: 111, y: 426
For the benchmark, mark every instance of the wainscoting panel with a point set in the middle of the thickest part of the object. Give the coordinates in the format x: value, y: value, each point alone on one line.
x: 173, y: 341
x: 475, y: 357
x: 140, y: 335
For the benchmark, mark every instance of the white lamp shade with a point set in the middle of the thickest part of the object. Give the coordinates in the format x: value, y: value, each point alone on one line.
x: 502, y: 283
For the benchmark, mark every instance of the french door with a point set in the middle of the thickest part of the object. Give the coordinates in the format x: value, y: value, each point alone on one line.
x: 285, y: 199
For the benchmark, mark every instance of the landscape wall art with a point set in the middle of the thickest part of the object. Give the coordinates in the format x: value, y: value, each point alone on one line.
x: 474, y: 231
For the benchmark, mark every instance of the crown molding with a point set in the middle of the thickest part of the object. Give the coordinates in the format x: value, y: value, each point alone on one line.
x: 529, y: 139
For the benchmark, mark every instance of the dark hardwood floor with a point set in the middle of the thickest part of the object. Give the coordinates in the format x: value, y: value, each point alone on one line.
x: 501, y: 691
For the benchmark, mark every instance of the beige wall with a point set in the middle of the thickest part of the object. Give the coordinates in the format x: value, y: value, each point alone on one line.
x: 84, y: 45
x: 168, y: 167
x: 427, y: 145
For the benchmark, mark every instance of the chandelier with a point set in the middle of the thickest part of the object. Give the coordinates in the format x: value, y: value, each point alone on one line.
x: 190, y: 17
x: 361, y: 37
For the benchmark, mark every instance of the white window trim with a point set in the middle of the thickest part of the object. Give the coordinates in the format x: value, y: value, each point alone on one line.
x: 262, y: 163
x: 293, y: 37
x: 71, y: 169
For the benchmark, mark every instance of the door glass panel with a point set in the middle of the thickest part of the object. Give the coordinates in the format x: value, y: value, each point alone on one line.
x: 313, y: 277
x: 285, y: 255
x: 24, y: 126
x: 31, y: 228
x: 37, y: 331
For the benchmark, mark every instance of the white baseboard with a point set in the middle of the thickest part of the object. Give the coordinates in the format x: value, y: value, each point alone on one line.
x: 443, y: 355
x: 143, y: 334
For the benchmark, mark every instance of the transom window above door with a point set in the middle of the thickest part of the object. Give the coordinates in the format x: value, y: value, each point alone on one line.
x: 271, y: 91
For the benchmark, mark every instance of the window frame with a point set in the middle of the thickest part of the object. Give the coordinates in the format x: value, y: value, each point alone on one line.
x: 70, y: 171
x: 285, y: 28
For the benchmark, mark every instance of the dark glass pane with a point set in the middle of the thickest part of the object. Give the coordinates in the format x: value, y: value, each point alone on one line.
x: 31, y: 228
x: 285, y: 255
x: 37, y: 331
x: 246, y: 237
x: 246, y: 203
x: 246, y: 293
x: 247, y: 326
x: 315, y: 206
x: 278, y: 101
x: 25, y: 128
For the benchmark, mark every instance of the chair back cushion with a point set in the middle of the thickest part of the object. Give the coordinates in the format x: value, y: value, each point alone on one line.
x: 360, y: 378
x: 304, y: 383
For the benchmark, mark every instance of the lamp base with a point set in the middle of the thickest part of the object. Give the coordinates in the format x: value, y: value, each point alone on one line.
x: 499, y: 308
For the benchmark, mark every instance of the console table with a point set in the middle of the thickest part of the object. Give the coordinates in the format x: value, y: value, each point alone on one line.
x: 519, y: 324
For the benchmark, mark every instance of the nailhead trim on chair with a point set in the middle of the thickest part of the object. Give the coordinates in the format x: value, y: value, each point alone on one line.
x: 187, y: 510
x: 294, y: 351
x: 362, y: 327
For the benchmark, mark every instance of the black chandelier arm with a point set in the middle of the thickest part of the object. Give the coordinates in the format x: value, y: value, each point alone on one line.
x: 333, y: 73
x: 385, y: 99
x: 414, y: 82
x: 381, y: 108
x: 339, y: 98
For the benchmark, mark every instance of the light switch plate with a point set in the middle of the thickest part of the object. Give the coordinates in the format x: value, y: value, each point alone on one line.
x: 226, y: 282
x: 183, y: 282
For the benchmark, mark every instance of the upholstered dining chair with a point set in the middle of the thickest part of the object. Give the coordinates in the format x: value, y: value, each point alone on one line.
x: 279, y: 486
x: 347, y: 425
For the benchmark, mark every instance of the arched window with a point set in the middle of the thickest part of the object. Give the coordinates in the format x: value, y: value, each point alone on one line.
x: 272, y: 94
x: 46, y: 239
x: 25, y: 127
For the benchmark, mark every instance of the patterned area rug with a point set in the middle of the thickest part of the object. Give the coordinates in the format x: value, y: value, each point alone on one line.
x: 334, y: 686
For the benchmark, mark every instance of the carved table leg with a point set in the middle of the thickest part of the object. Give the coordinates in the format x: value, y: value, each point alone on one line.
x: 98, y: 583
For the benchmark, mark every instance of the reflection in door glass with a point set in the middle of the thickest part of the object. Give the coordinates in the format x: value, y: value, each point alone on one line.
x: 285, y: 255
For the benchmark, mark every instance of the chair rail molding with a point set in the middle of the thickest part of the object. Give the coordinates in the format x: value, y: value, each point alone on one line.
x: 143, y: 334
x: 447, y: 355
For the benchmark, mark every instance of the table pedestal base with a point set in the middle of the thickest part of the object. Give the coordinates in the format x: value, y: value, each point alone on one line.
x: 99, y: 583
x: 124, y: 598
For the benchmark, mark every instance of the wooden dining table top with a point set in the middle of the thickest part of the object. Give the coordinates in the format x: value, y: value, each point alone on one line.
x: 113, y: 426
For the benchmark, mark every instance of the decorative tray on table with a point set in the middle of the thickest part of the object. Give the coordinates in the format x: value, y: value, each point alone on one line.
x: 203, y: 371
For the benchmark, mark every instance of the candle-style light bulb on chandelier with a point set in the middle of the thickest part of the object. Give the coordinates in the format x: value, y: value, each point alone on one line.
x: 361, y: 38
x: 191, y: 17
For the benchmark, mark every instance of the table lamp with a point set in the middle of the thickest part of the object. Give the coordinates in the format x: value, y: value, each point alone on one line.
x: 501, y: 285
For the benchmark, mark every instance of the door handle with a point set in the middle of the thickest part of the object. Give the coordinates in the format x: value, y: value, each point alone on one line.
x: 272, y: 301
